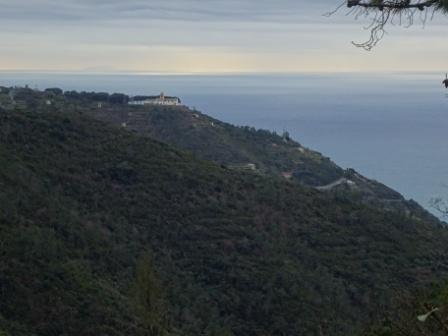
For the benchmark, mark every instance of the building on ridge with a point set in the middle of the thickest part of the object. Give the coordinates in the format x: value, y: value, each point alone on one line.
x: 155, y: 100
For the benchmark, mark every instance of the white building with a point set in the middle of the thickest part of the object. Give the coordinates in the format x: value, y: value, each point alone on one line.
x: 156, y: 100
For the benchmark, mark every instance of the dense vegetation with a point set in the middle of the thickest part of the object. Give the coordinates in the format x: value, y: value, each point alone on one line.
x: 225, y: 144
x: 235, y: 147
x: 105, y: 232
x: 421, y: 314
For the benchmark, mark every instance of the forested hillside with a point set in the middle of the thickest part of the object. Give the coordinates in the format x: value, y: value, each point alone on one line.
x: 423, y: 312
x: 106, y: 232
x: 239, y: 148
x: 248, y: 149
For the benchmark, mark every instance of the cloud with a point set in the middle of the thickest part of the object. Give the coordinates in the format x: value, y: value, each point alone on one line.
x: 208, y: 10
x: 200, y: 35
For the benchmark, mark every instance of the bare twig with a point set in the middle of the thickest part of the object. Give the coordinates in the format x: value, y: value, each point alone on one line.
x: 384, y: 12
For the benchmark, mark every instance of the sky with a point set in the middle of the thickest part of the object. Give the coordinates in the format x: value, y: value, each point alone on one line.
x: 206, y: 36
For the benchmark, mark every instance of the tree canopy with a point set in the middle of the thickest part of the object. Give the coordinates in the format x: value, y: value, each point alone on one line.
x: 395, y: 12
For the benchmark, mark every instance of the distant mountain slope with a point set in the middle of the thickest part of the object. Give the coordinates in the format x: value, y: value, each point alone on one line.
x: 239, y: 148
x: 226, y: 144
x: 228, y: 253
x: 260, y: 151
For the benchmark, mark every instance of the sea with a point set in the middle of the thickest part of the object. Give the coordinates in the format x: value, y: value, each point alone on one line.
x: 391, y: 127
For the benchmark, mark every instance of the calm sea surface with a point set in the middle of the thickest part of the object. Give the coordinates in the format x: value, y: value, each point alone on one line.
x: 390, y: 127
